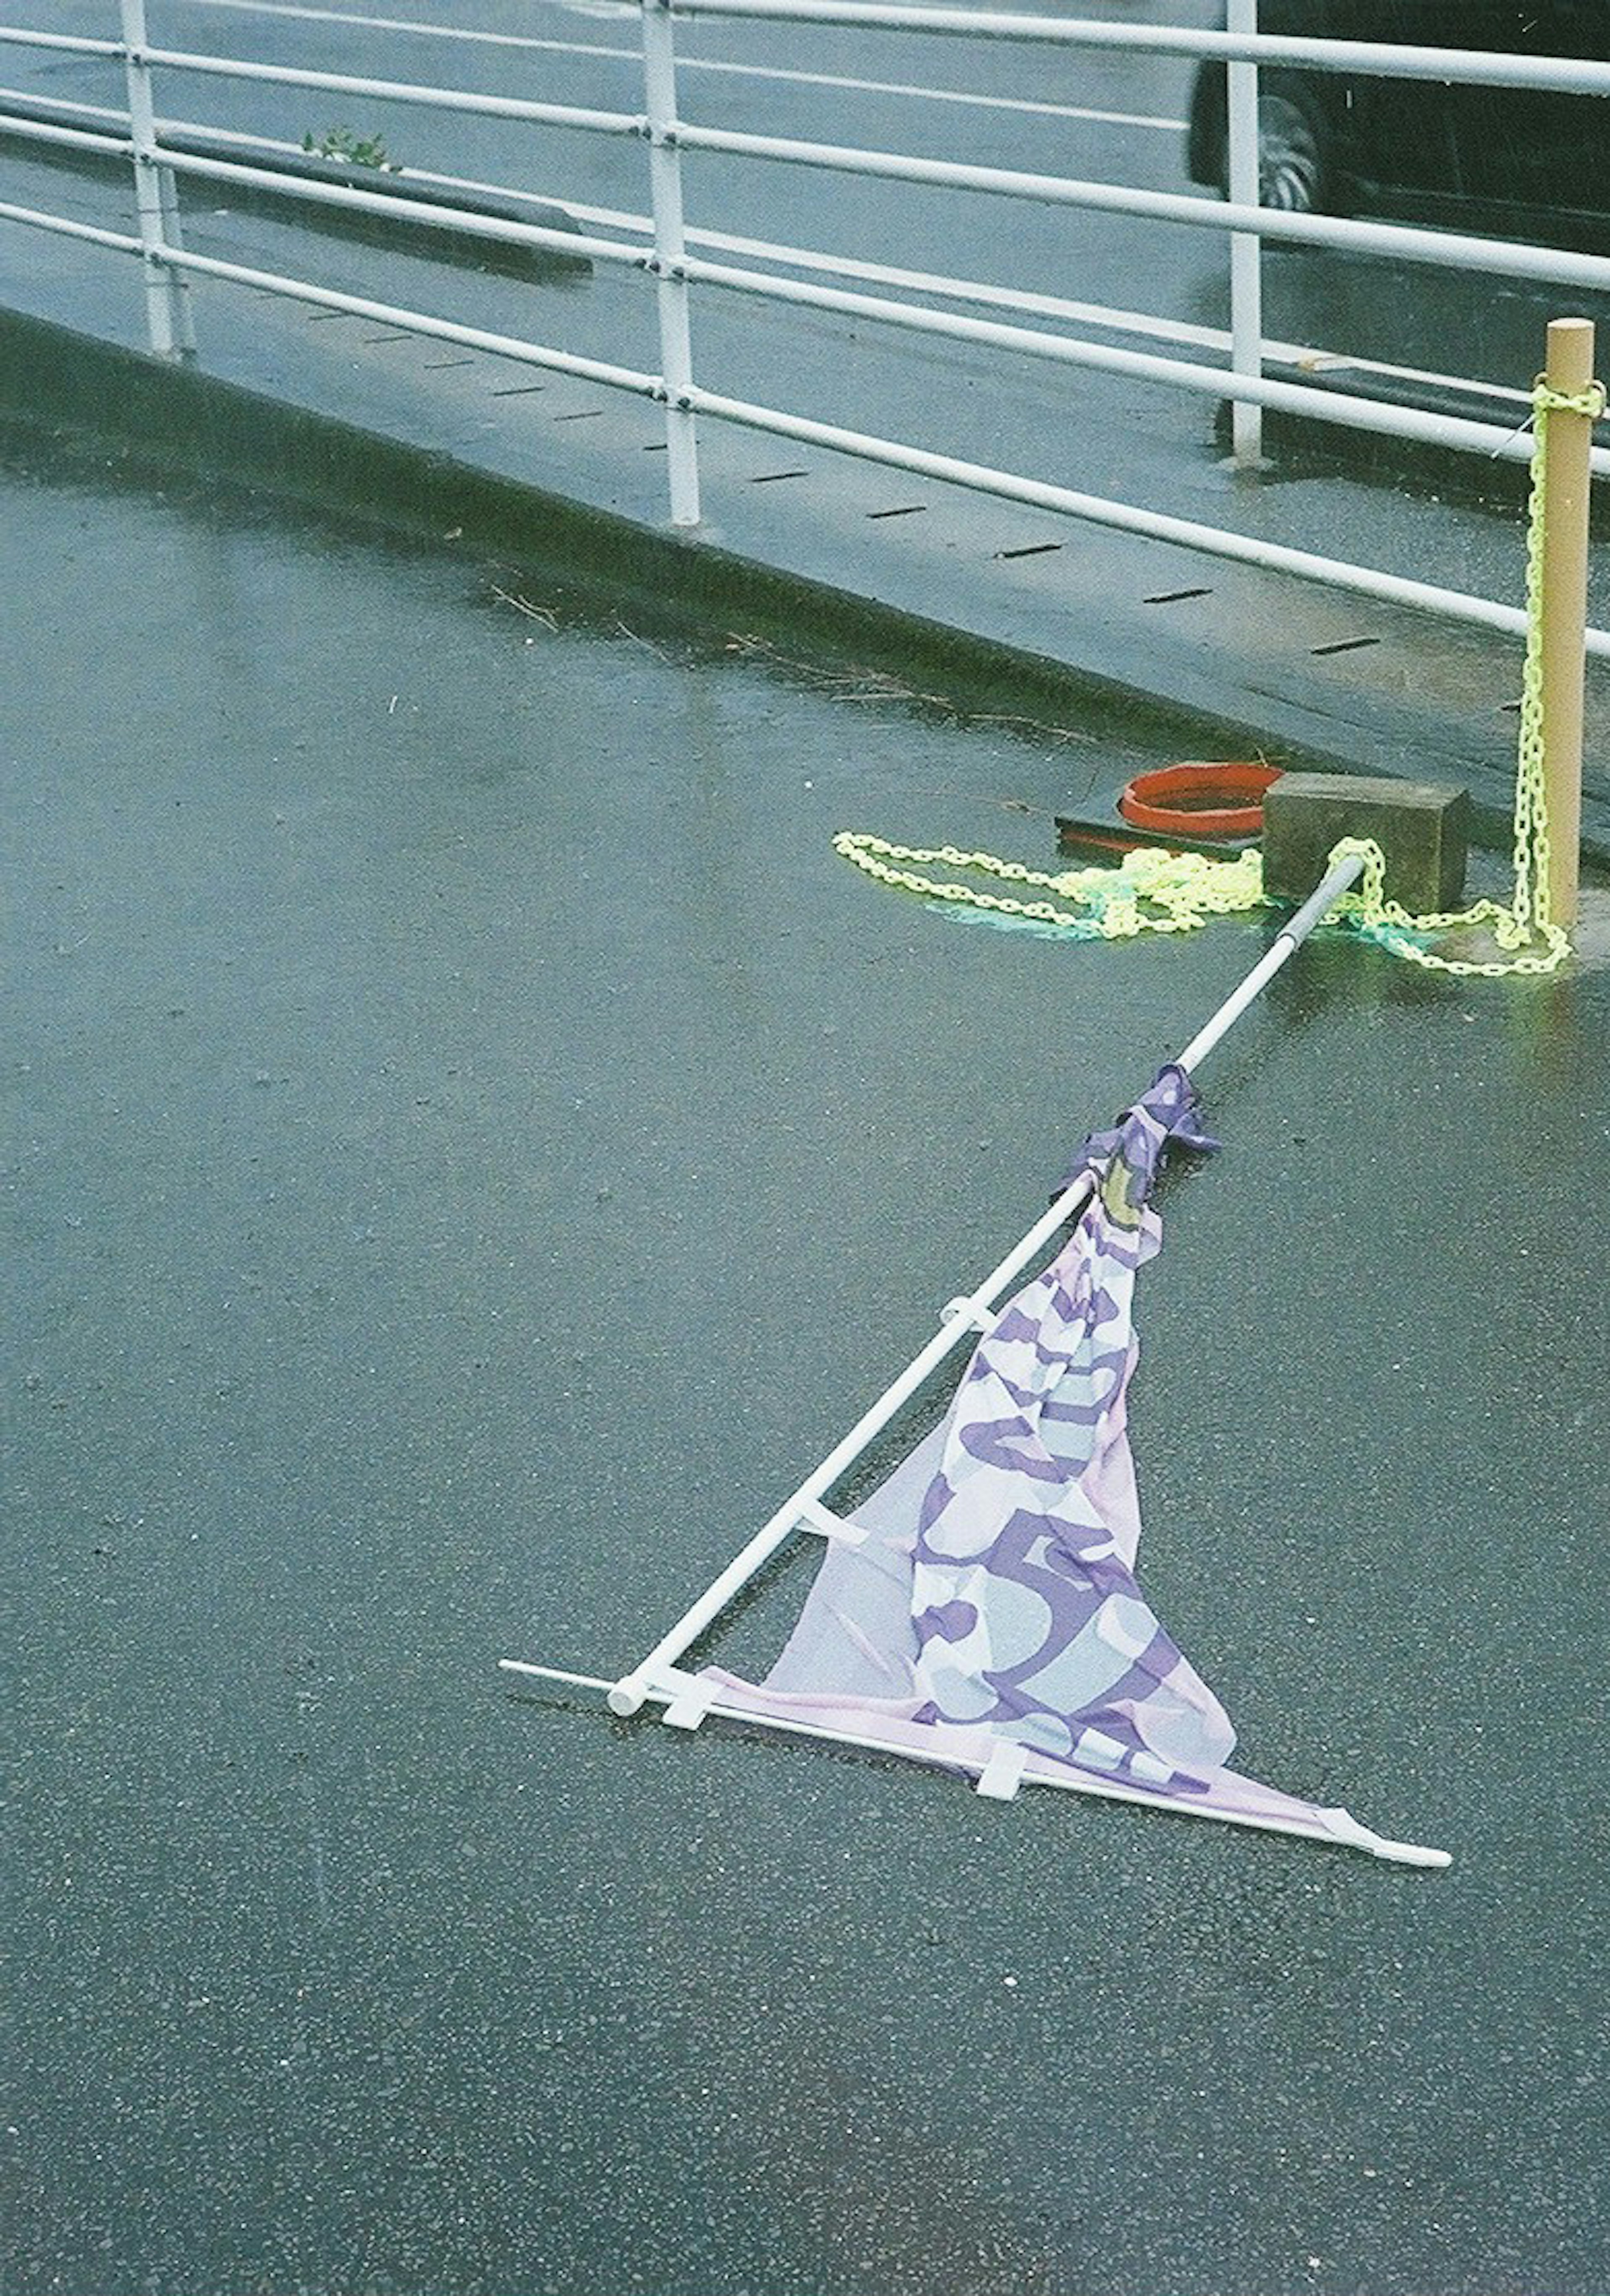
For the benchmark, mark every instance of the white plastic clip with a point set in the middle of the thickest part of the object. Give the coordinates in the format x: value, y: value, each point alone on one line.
x: 1003, y: 1773
x: 686, y: 1711
x: 973, y: 1311
x: 815, y: 1516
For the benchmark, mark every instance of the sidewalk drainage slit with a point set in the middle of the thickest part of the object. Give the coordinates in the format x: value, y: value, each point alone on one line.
x: 1345, y: 645
x: 582, y: 414
x: 1172, y: 597
x: 902, y: 510
x: 770, y: 478
x: 517, y: 391
x: 661, y: 448
x: 1030, y: 550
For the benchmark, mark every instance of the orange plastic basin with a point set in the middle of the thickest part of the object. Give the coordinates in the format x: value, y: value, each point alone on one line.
x: 1200, y: 800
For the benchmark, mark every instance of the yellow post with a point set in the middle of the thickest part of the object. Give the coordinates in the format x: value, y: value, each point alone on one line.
x: 1565, y: 609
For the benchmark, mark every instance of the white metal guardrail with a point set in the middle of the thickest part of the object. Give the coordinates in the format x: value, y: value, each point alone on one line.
x: 678, y: 258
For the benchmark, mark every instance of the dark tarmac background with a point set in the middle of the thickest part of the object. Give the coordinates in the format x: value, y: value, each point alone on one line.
x: 471, y: 1145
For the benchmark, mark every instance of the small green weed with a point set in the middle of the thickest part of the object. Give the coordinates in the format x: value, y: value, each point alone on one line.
x: 356, y: 151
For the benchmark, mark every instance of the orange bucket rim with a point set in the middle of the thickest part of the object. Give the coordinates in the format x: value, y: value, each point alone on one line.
x: 1199, y: 798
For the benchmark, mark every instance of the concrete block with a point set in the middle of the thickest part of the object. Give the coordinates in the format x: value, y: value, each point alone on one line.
x: 1422, y: 827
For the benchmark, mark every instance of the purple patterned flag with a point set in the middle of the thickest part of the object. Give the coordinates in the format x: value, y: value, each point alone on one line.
x: 990, y: 1600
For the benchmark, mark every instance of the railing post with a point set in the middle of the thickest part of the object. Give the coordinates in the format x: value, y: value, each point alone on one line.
x: 1565, y: 609
x: 665, y: 185
x: 168, y: 312
x: 1246, y: 247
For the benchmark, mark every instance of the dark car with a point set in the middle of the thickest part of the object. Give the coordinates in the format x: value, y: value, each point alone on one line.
x: 1505, y: 159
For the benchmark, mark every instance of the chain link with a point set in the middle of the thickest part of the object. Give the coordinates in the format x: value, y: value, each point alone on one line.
x: 1153, y: 890
x: 1157, y: 891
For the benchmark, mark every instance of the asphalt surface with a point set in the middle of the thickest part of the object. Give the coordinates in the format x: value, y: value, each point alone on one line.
x: 1297, y: 666
x: 470, y: 1145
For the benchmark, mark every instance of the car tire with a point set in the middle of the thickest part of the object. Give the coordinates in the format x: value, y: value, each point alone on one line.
x: 1295, y: 169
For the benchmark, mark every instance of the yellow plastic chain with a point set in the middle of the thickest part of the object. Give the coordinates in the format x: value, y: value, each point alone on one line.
x: 1158, y: 891
x: 1153, y: 890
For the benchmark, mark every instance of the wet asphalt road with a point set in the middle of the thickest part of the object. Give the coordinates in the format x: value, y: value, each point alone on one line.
x: 470, y: 1146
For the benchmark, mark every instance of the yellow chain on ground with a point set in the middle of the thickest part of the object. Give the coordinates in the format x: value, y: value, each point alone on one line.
x: 1154, y: 890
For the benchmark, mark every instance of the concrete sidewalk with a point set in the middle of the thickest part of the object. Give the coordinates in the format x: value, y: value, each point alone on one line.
x: 1267, y: 663
x: 473, y: 1145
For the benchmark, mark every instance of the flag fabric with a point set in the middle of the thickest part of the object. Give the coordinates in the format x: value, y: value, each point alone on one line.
x: 987, y: 1593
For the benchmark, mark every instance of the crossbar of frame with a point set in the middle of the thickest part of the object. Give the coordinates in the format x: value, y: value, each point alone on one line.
x: 1346, y: 1829
x: 629, y: 1694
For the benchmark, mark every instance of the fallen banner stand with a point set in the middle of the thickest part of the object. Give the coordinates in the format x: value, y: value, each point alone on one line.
x: 1002, y: 1764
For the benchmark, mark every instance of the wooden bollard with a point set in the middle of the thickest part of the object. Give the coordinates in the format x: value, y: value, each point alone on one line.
x: 1564, y: 610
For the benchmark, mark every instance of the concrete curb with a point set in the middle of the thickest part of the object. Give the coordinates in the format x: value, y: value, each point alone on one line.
x: 165, y: 416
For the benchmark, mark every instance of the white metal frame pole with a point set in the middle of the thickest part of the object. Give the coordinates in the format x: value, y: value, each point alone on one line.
x: 967, y: 1314
x: 1246, y: 247
x: 665, y: 191
x: 169, y: 316
x: 1292, y: 936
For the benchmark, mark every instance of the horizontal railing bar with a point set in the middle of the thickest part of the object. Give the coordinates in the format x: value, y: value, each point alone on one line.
x: 1563, y: 75
x: 1503, y: 396
x: 1570, y: 75
x: 18, y: 37
x: 362, y: 307
x: 423, y: 323
x: 1156, y: 526
x: 62, y: 103
x: 470, y: 36
x: 111, y: 145
x: 125, y: 243
x: 530, y: 44
x: 1450, y: 250
x: 1022, y: 300
x: 1345, y: 409
x: 1017, y: 299
x: 1012, y: 299
x: 1484, y: 67
x: 1426, y: 427
x: 405, y: 212
x: 394, y: 90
